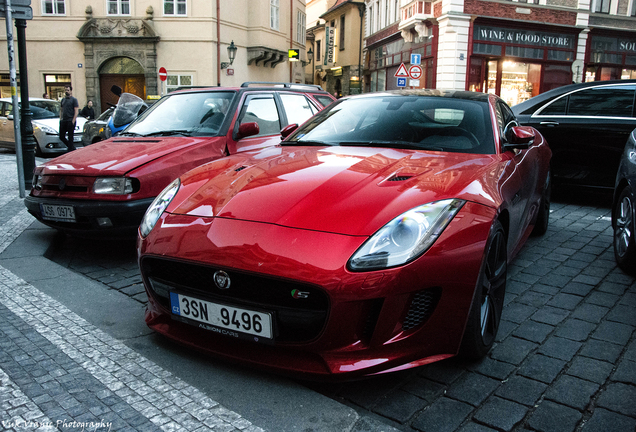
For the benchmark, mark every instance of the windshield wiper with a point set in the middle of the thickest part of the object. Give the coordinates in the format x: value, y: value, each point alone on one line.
x: 183, y: 132
x: 129, y: 134
x: 306, y: 143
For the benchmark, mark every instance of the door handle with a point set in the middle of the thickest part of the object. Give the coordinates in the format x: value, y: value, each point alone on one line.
x: 549, y: 123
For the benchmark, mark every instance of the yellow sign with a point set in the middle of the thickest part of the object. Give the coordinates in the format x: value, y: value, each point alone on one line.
x: 293, y: 55
x: 153, y: 97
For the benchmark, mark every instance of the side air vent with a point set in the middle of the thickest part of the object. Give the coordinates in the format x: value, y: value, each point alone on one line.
x: 399, y: 178
x: 422, y: 306
x: 240, y: 169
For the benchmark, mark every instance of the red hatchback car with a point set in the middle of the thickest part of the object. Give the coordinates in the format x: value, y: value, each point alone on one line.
x: 105, y: 188
x: 376, y: 237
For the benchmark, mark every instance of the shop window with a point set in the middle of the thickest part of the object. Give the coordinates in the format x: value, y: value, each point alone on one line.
x: 628, y: 74
x: 519, y: 81
x: 522, y: 52
x: 560, y: 55
x: 610, y: 73
x: 610, y: 101
x: 630, y: 60
x: 555, y: 76
x: 54, y: 85
x: 382, y: 80
x: 487, y: 49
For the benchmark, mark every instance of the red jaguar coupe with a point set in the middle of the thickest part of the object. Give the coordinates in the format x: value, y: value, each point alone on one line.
x: 376, y: 237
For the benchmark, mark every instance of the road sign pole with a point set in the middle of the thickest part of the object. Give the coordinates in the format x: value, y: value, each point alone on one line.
x: 26, y: 126
x: 14, y: 96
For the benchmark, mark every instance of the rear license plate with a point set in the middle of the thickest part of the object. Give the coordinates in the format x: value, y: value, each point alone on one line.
x: 57, y: 212
x: 77, y: 138
x: 222, y: 316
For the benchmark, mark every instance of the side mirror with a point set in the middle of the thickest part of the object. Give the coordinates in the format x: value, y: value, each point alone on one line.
x: 519, y: 137
x: 247, y: 129
x: 288, y: 130
x: 116, y: 90
x: 10, y: 117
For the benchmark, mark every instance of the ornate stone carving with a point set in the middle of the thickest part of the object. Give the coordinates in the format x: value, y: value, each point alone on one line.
x: 113, y: 27
x: 269, y: 56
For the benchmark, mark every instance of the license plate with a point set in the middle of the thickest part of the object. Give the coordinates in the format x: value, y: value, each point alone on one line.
x: 57, y: 212
x: 230, y: 319
x: 77, y: 138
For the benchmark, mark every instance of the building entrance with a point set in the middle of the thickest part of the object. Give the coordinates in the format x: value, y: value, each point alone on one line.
x: 125, y: 73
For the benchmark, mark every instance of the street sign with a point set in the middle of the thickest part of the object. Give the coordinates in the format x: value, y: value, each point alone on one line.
x: 163, y: 74
x: 293, y: 55
x: 415, y: 72
x: 416, y: 59
x: 401, y: 72
x: 17, y: 11
x: 18, y: 3
x: 401, y: 82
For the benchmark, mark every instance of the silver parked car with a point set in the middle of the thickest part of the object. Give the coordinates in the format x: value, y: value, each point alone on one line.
x: 46, y: 126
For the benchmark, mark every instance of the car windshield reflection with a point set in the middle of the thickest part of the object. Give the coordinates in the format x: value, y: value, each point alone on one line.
x: 400, y: 121
x: 186, y: 114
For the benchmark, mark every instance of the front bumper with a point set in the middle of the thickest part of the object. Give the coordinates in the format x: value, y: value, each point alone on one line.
x: 94, y: 218
x: 373, y: 321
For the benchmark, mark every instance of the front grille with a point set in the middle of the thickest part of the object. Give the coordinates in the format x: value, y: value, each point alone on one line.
x: 422, y: 306
x: 295, y: 319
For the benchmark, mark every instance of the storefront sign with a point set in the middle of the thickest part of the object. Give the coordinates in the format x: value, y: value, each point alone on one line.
x: 523, y: 37
x: 330, y: 51
x: 604, y: 43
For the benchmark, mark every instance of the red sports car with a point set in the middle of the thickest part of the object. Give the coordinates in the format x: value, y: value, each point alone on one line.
x: 375, y: 238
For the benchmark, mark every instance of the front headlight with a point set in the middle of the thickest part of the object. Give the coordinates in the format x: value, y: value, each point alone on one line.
x: 47, y: 130
x: 157, y: 207
x: 113, y: 186
x: 406, y: 237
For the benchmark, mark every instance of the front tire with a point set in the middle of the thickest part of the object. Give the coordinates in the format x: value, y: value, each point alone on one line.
x: 624, y: 237
x: 485, y: 312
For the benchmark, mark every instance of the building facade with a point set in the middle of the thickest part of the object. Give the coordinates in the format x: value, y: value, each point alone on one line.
x: 511, y: 48
x: 94, y: 45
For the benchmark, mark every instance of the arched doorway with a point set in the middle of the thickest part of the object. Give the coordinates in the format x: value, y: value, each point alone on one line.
x: 123, y: 72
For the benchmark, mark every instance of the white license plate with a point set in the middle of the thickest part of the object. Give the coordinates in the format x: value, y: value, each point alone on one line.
x: 77, y: 138
x: 58, y: 212
x: 226, y: 317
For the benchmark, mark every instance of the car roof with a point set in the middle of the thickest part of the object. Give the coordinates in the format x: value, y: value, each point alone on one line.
x: 443, y: 93
x: 256, y: 85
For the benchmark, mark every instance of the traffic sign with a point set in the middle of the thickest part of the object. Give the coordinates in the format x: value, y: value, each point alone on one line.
x: 163, y: 74
x: 401, y: 72
x: 401, y: 82
x: 17, y: 11
x: 416, y: 59
x: 293, y: 55
x: 415, y: 72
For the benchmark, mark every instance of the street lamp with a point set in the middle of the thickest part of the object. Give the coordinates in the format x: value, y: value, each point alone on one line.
x: 231, y: 52
x: 310, y: 57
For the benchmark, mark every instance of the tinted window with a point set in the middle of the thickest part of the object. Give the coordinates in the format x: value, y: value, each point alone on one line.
x: 262, y: 110
x: 324, y: 100
x: 608, y: 101
x: 297, y: 108
x: 557, y: 107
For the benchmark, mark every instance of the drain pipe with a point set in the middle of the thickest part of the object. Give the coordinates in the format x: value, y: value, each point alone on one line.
x: 291, y: 36
x: 218, y: 43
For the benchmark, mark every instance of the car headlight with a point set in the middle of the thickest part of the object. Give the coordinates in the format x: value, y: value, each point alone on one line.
x: 406, y: 237
x: 113, y: 186
x: 157, y: 207
x: 47, y: 129
x: 36, y: 183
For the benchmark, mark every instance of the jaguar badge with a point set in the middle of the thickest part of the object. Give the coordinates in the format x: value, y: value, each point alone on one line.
x: 222, y: 279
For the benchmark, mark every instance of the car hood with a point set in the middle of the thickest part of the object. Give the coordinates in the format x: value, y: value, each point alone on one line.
x: 118, y: 156
x: 54, y: 123
x: 345, y: 190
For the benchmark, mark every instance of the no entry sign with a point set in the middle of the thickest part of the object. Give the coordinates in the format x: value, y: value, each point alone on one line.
x: 163, y: 74
x: 415, y: 72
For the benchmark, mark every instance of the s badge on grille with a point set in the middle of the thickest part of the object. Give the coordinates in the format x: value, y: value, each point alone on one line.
x: 222, y: 279
x: 297, y: 294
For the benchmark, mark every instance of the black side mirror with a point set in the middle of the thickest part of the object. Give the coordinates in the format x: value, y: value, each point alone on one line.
x: 116, y: 90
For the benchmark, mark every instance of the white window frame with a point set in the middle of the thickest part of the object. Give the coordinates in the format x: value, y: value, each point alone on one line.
x: 301, y: 27
x: 180, y: 77
x: 175, y: 7
x: 54, y: 6
x: 119, y: 3
x: 274, y: 14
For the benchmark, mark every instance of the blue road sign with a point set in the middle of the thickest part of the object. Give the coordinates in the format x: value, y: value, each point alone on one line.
x: 401, y: 82
x: 416, y: 59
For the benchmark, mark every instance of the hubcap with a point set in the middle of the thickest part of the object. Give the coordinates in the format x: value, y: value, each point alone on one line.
x: 624, y: 223
x: 493, y: 288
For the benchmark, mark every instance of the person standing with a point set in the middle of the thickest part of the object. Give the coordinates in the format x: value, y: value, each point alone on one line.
x: 68, y: 116
x: 88, y: 111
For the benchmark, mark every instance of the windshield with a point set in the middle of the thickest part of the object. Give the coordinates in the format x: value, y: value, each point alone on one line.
x: 44, y: 109
x: 191, y: 114
x: 402, y: 121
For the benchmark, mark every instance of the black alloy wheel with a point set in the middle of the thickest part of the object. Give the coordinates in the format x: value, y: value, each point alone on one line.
x: 487, y: 306
x: 543, y: 216
x: 624, y: 237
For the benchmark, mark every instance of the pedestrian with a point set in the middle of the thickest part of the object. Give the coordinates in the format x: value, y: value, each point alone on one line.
x: 68, y: 116
x: 88, y: 112
x: 45, y: 96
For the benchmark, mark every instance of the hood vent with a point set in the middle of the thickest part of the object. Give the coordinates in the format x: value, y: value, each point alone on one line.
x: 399, y: 178
x: 240, y: 168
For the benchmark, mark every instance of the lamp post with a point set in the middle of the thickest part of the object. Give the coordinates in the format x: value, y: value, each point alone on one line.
x: 231, y: 53
x: 310, y: 57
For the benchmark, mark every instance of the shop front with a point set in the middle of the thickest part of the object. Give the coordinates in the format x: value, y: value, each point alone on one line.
x: 519, y: 63
x: 610, y: 56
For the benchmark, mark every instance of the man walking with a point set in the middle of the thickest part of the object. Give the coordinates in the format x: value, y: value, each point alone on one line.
x: 68, y: 116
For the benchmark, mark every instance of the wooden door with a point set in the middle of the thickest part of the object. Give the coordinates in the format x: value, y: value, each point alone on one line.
x: 134, y: 84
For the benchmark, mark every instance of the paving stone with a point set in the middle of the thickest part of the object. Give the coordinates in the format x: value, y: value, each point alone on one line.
x: 525, y: 278
x: 565, y: 301
x: 445, y: 415
x: 424, y: 388
x: 493, y: 368
x: 560, y: 348
x: 575, y: 329
x: 602, y: 299
x: 517, y: 312
x: 472, y: 388
x: 399, y: 406
x: 613, y: 332
x: 444, y: 372
x: 367, y: 393
x: 587, y: 279
x: 555, y: 280
x: 590, y: 312
x: 601, y: 350
x: 605, y: 421
x: 534, y: 299
x: 612, y: 288
x: 631, y: 351
x: 500, y: 414
x: 577, y: 288
x: 619, y: 397
x: 550, y: 315
x: 522, y: 390
x: 590, y: 369
x: 516, y: 287
x: 572, y: 391
x: 475, y: 427
x: 545, y: 289
x: 533, y: 331
x: 552, y: 417
x: 513, y: 350
x: 505, y: 329
x: 626, y: 372
x: 542, y: 368
x: 623, y: 314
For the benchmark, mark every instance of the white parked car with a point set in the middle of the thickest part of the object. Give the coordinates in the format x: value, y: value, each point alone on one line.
x: 46, y: 126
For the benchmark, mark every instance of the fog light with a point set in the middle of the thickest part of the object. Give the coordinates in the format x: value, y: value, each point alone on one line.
x: 104, y: 222
x: 49, y: 145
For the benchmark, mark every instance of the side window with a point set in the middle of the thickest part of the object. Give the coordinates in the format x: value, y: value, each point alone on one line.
x: 297, y: 108
x: 557, y: 107
x: 262, y: 110
x: 7, y: 109
x: 500, y: 119
x: 324, y: 100
x: 606, y: 101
